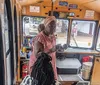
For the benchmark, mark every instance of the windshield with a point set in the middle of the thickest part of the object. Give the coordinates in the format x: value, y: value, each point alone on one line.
x: 82, y: 33
x: 61, y: 31
x: 30, y: 25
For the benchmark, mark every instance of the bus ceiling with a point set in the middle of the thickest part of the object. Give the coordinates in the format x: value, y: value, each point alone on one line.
x: 91, y: 4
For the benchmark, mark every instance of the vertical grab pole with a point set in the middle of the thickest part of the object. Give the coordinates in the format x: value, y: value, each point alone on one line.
x: 52, y: 7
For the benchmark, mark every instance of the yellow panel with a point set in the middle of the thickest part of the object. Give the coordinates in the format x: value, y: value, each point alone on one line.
x: 91, y: 4
x: 46, y: 7
x: 96, y: 72
x: 77, y: 1
x: 46, y: 3
x: 94, y: 5
x: 28, y: 2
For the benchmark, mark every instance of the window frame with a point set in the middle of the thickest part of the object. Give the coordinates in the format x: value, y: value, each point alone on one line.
x: 95, y: 37
x: 24, y: 23
x: 95, y: 34
x: 98, y: 30
x: 44, y: 18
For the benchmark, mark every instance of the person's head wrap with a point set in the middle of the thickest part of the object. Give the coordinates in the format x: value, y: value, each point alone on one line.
x: 48, y: 20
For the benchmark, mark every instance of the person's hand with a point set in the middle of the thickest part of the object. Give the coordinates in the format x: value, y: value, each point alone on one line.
x: 57, y: 83
x: 53, y: 49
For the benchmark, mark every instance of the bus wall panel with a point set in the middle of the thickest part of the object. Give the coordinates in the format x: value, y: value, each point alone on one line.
x: 44, y: 9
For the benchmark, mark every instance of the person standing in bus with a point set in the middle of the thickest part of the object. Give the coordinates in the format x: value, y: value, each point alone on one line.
x: 45, y: 42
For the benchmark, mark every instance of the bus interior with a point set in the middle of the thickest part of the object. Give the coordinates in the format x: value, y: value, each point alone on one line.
x: 77, y: 39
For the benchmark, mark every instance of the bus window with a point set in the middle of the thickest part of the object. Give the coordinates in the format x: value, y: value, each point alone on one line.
x: 82, y: 33
x: 30, y: 29
x: 98, y: 42
x: 30, y: 25
x: 61, y: 31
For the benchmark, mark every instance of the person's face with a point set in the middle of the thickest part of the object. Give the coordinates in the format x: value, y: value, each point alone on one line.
x: 51, y: 27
